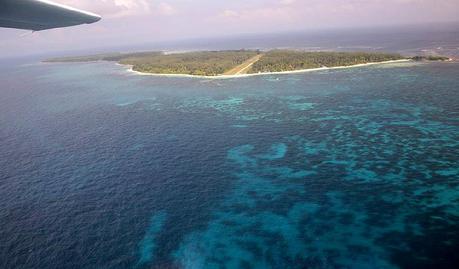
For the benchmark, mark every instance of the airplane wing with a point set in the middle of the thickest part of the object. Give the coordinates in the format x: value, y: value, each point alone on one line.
x: 39, y: 15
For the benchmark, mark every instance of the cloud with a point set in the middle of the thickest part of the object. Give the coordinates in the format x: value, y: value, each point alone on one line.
x: 166, y: 9
x: 229, y: 14
x: 260, y: 15
x: 112, y: 8
x: 142, y: 21
x: 287, y: 2
x: 307, y: 14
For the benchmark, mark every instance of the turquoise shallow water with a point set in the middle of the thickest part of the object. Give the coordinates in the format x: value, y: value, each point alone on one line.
x: 353, y: 168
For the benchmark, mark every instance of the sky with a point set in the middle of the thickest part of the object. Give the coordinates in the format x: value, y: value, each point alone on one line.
x: 126, y: 22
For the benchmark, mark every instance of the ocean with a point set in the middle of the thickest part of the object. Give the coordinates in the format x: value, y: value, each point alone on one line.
x: 350, y: 168
x: 424, y: 39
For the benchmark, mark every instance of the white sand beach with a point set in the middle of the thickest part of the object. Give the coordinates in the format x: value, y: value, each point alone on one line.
x: 130, y: 70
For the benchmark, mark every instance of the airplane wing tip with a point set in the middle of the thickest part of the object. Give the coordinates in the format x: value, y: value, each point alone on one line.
x: 38, y: 15
x: 94, y: 18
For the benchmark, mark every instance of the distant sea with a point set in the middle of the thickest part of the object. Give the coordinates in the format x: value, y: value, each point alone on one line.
x: 351, y: 168
x: 428, y: 39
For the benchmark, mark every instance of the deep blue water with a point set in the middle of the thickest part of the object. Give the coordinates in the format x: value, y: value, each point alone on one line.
x: 353, y: 168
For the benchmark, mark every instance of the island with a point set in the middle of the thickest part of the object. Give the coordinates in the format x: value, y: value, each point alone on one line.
x: 229, y: 63
x: 431, y: 58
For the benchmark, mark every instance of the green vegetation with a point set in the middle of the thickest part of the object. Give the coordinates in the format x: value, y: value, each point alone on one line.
x: 112, y: 57
x: 202, y: 63
x: 289, y: 60
x: 89, y: 58
x: 214, y: 63
x: 430, y: 58
x: 205, y: 63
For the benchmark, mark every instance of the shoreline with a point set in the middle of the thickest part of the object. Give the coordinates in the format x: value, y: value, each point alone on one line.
x: 130, y: 70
